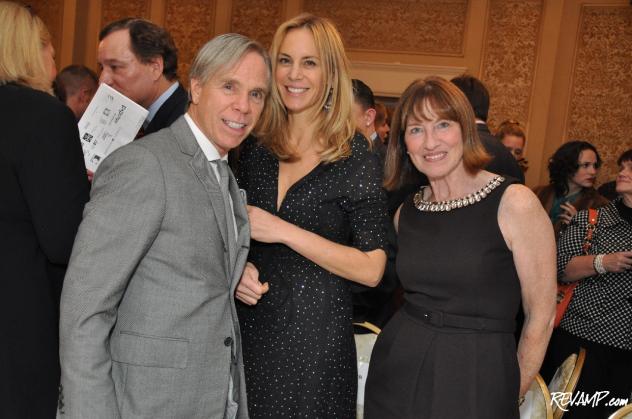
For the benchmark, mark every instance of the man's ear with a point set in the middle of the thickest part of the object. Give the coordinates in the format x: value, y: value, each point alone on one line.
x: 85, y: 95
x: 195, y: 89
x: 156, y: 65
x: 369, y: 116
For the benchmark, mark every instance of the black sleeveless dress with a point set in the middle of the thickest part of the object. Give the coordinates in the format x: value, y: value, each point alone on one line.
x: 450, y: 351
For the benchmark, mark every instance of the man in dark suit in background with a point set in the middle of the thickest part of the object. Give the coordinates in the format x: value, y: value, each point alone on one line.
x: 503, y: 163
x: 364, y: 116
x: 139, y: 59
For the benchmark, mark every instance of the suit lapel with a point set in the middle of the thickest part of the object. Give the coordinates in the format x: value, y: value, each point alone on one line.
x: 205, y: 174
x: 202, y: 169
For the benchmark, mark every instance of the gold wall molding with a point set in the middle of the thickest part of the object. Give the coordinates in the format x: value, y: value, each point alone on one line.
x: 428, y: 27
x: 391, y: 79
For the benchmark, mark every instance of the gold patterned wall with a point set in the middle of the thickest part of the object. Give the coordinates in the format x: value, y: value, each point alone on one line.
x: 601, y: 92
x: 408, y: 26
x: 509, y: 60
x: 112, y: 10
x: 190, y: 23
x: 257, y: 19
x: 51, y: 13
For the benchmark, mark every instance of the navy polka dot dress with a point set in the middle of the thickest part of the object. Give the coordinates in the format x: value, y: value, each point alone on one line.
x: 298, y: 346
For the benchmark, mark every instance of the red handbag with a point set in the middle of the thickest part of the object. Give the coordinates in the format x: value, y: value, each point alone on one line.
x: 565, y: 290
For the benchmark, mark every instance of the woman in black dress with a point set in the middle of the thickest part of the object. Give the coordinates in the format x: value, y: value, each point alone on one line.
x: 470, y: 245
x: 43, y: 188
x: 316, y: 212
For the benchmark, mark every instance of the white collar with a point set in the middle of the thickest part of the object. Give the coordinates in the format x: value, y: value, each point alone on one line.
x: 208, y: 148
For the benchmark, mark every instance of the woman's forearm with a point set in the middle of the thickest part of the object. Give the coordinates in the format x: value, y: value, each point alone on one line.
x: 531, y: 349
x: 347, y: 262
x: 579, y: 267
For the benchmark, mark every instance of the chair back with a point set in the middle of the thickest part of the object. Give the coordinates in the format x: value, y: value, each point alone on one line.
x: 566, y: 377
x: 364, y: 346
x: 537, y: 401
x: 624, y: 413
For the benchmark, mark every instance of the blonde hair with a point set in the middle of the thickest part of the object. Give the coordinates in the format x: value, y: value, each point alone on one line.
x: 22, y: 37
x: 446, y: 101
x: 334, y: 125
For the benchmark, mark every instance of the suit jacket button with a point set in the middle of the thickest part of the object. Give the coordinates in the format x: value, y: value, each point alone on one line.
x: 228, y: 341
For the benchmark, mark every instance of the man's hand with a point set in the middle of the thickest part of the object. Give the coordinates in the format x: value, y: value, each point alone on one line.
x: 250, y: 290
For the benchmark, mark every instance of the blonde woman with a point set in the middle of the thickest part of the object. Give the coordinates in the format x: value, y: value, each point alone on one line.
x: 44, y: 188
x: 317, y: 213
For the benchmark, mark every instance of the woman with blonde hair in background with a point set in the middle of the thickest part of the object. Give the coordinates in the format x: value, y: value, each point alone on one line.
x: 44, y: 189
x: 317, y: 218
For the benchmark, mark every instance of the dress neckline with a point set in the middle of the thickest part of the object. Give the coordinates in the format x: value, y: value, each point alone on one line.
x: 443, y: 206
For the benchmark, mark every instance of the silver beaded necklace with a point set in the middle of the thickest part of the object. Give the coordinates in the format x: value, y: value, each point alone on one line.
x: 423, y: 205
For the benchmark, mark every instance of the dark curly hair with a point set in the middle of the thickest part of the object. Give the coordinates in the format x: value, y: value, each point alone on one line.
x: 564, y: 164
x: 148, y: 41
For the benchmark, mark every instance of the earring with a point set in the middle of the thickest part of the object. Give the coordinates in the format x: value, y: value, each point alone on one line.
x: 327, y: 106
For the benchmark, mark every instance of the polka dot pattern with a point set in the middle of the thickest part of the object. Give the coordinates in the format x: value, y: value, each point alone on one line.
x: 601, y: 308
x: 299, y: 352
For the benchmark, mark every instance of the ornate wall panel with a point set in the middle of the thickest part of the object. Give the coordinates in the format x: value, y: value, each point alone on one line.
x: 190, y: 22
x: 409, y: 26
x: 51, y: 12
x: 509, y: 58
x: 257, y: 19
x: 112, y: 10
x: 601, y: 91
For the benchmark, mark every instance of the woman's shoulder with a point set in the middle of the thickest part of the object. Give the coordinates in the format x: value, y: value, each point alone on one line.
x: 22, y: 105
x: 251, y: 148
x: 359, y: 145
x: 24, y: 95
x: 607, y: 214
x: 361, y: 154
x: 518, y: 199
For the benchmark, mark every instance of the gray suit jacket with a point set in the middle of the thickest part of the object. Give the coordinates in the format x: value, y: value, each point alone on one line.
x: 148, y: 321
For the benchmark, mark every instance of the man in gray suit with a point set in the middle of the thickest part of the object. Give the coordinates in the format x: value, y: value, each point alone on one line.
x: 148, y: 321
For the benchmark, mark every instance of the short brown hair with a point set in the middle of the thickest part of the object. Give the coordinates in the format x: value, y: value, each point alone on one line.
x: 447, y: 102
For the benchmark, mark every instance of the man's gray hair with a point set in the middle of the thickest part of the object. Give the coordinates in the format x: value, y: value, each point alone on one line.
x: 222, y: 53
